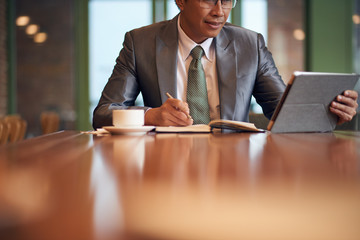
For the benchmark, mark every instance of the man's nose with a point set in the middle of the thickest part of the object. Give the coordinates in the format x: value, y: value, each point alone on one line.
x: 217, y: 9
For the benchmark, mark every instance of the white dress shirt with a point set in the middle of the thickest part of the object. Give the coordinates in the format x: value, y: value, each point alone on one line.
x: 209, y: 64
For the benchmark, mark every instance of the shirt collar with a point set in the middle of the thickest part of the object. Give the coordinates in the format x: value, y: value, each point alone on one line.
x: 186, y: 45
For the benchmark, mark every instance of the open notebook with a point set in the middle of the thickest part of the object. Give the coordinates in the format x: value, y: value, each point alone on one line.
x: 206, y: 128
x: 304, y: 106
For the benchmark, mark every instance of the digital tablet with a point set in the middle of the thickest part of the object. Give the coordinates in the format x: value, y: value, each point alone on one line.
x: 304, y: 106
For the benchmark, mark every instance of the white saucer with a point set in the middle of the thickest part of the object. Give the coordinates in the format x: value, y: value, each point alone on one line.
x: 129, y: 130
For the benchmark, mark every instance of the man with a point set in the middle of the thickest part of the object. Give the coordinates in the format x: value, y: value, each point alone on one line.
x: 155, y: 60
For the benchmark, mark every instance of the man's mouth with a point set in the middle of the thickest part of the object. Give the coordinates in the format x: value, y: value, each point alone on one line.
x: 214, y: 24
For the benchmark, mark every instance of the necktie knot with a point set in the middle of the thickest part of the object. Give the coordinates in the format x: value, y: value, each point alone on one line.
x: 197, y: 52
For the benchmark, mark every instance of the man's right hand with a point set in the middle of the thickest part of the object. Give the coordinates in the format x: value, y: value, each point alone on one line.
x: 173, y: 112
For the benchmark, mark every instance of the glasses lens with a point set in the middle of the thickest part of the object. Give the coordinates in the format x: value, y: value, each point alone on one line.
x: 207, y: 3
x: 211, y: 3
x: 226, y: 4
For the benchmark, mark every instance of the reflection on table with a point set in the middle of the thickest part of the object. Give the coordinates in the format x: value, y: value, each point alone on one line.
x: 70, y: 185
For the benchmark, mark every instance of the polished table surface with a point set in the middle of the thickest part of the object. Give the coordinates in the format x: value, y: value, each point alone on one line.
x: 72, y: 185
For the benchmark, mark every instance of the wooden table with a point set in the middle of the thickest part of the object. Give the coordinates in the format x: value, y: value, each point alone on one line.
x: 71, y: 185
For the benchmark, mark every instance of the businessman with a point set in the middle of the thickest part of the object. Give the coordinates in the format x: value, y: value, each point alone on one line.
x: 229, y: 63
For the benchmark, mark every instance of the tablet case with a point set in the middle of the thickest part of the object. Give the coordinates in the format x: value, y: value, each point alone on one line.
x: 304, y: 106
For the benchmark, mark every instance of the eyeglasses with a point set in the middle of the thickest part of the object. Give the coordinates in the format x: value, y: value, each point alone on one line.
x: 225, y: 4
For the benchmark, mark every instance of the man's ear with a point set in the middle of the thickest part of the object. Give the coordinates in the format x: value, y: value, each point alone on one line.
x: 180, y: 4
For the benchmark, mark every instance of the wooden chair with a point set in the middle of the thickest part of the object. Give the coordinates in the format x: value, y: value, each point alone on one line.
x: 16, y: 127
x: 4, y: 132
x: 23, y: 127
x: 49, y: 122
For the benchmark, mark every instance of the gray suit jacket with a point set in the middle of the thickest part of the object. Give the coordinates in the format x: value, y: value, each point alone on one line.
x: 147, y: 64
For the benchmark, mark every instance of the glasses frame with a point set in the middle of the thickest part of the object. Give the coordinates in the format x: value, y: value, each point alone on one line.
x: 215, y: 3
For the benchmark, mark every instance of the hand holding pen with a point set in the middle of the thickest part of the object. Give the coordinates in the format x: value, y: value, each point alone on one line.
x: 173, y: 112
x: 187, y: 113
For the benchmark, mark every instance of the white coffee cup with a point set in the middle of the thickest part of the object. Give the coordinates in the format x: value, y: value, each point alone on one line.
x: 128, y: 118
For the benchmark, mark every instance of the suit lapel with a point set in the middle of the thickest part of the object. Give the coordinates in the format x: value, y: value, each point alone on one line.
x: 226, y: 69
x: 166, y: 59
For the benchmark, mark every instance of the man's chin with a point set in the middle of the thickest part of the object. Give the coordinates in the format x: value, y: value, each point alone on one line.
x: 213, y: 34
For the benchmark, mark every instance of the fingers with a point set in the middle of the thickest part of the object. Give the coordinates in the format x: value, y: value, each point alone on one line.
x: 180, y: 106
x: 349, y: 98
x: 178, y: 111
x: 351, y: 94
x: 172, y: 113
x: 343, y: 116
x: 345, y: 106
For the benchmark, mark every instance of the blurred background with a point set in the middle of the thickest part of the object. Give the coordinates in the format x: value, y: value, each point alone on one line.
x: 56, y: 56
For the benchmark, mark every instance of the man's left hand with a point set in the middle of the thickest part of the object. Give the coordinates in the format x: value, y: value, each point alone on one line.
x: 345, y: 106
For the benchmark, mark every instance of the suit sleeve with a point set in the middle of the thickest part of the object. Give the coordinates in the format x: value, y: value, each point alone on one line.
x: 269, y: 86
x: 122, y: 88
